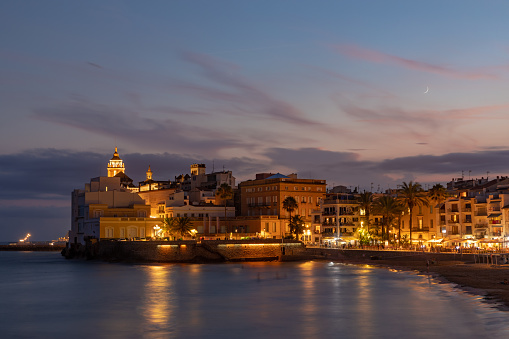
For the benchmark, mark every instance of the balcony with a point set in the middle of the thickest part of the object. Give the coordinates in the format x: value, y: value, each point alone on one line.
x: 453, y: 210
x: 467, y: 221
x: 481, y: 225
x: 328, y: 214
x: 467, y: 210
x: 452, y: 222
x: 481, y: 213
x: 422, y: 229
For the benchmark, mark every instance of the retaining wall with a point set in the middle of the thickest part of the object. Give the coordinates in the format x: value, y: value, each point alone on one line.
x: 191, y: 251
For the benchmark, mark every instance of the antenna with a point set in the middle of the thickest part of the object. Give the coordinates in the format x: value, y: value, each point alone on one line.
x: 212, y: 166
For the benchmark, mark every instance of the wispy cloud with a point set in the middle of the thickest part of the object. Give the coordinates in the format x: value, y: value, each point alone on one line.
x: 229, y: 88
x: 357, y: 52
x: 126, y: 125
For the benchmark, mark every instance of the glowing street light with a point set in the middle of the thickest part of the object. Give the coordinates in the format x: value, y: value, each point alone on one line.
x: 156, y: 230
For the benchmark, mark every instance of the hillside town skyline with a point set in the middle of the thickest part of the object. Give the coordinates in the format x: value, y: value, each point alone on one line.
x: 466, y: 213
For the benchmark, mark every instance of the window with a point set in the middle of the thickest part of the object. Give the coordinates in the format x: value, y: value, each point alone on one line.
x: 274, y: 198
x: 431, y: 223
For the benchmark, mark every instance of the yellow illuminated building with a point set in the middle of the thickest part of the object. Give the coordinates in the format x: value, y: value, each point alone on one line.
x: 116, y: 165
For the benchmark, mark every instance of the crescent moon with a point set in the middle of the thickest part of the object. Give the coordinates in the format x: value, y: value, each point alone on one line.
x: 427, y: 90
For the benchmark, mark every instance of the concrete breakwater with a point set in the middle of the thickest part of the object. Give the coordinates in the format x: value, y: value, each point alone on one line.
x: 191, y: 251
x: 32, y: 247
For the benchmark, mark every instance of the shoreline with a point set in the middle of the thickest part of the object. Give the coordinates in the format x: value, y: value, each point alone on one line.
x: 483, y: 280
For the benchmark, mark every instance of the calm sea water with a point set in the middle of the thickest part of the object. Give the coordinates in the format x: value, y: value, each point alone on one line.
x: 42, y: 295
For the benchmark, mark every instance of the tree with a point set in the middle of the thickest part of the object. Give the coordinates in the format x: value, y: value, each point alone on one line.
x: 296, y: 225
x: 168, y: 223
x: 290, y: 205
x: 365, y: 203
x: 364, y: 236
x: 438, y: 194
x: 389, y: 208
x: 225, y: 193
x: 411, y: 195
x: 181, y: 226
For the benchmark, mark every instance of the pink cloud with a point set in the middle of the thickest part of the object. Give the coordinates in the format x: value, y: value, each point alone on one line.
x: 357, y: 52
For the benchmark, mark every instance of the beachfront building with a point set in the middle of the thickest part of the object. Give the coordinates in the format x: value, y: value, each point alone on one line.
x: 264, y: 196
x: 336, y: 220
x: 477, y: 215
x: 104, y: 209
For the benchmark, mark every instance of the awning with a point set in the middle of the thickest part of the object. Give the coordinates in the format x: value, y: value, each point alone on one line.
x: 490, y: 241
x: 455, y: 240
x: 494, y: 215
x: 496, y: 225
x: 436, y: 240
x: 348, y: 238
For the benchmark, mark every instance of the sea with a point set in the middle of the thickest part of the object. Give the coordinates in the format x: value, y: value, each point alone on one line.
x: 43, y: 295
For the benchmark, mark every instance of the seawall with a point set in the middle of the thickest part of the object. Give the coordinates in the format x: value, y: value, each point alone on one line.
x: 29, y: 247
x: 353, y: 255
x: 191, y: 251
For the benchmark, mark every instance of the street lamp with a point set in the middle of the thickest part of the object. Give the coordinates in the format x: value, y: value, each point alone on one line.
x: 156, y: 231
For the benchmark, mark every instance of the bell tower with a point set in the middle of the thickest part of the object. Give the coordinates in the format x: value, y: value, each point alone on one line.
x: 149, y: 173
x: 116, y: 165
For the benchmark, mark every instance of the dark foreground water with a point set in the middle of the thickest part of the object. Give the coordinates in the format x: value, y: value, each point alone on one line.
x: 43, y: 295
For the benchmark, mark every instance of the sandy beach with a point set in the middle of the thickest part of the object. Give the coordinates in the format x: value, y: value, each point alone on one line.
x: 481, y: 279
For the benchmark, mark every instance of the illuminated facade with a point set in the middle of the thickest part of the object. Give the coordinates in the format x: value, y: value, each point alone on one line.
x: 265, y: 195
x: 116, y: 165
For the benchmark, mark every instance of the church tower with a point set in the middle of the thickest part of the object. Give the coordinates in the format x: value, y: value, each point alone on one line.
x: 116, y: 165
x: 149, y: 174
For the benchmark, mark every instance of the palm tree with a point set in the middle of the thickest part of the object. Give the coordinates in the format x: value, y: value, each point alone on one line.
x: 225, y: 193
x: 181, y: 226
x: 296, y: 225
x: 168, y: 223
x: 410, y: 196
x: 438, y: 194
x: 389, y: 208
x: 290, y: 205
x: 365, y: 203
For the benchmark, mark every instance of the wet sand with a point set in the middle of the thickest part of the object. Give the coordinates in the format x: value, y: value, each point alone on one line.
x: 481, y: 279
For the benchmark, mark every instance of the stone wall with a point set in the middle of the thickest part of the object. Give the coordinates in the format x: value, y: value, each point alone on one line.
x: 358, y: 254
x: 192, y: 251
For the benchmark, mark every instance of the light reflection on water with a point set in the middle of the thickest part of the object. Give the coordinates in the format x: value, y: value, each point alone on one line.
x: 43, y: 295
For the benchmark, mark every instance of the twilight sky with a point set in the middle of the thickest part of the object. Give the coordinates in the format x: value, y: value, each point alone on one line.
x: 330, y: 90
